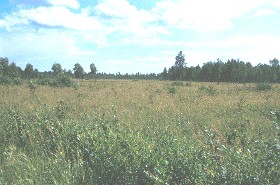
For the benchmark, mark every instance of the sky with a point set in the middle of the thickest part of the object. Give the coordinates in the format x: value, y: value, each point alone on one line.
x: 130, y: 36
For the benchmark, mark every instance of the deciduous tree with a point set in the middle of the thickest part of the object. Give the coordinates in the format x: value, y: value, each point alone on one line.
x: 179, y: 66
x: 93, y: 70
x: 78, y: 71
x: 28, y: 71
x: 57, y: 69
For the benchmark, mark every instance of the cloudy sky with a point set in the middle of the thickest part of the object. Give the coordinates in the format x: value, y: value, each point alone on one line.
x: 137, y: 35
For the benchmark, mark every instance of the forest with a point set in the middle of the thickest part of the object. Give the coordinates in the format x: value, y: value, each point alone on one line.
x: 233, y: 70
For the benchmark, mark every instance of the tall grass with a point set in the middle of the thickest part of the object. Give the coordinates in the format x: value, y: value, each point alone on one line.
x: 110, y: 137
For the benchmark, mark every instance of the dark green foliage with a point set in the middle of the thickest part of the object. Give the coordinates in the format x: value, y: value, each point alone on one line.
x: 177, y: 83
x: 230, y: 71
x: 44, y: 81
x: 5, y: 80
x: 176, y: 72
x: 263, y: 87
x: 188, y: 84
x: 209, y: 90
x: 172, y: 90
x: 17, y: 81
x: 93, y: 70
x: 28, y: 71
x: 32, y: 87
x: 101, y: 151
x: 47, y: 147
x: 60, y: 80
x: 234, y: 70
x: 164, y: 74
x: 63, y: 81
x: 57, y: 69
x: 78, y: 71
x: 180, y: 60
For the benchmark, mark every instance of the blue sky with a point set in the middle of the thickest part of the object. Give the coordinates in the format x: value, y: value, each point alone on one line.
x: 137, y: 36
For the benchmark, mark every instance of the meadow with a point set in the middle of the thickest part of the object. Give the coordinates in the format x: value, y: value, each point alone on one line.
x: 140, y: 132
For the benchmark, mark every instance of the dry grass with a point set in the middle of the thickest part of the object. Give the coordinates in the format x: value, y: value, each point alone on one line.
x: 138, y: 102
x: 206, y: 133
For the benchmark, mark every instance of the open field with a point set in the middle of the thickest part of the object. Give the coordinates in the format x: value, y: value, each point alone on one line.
x: 139, y: 132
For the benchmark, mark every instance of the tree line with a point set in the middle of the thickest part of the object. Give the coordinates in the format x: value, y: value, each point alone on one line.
x: 11, y: 70
x: 234, y: 70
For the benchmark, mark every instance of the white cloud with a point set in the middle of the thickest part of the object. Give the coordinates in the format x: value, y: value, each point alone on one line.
x: 275, y: 4
x: 109, y: 17
x: 119, y: 62
x: 255, y: 49
x: 240, y: 42
x: 123, y: 17
x: 197, y: 14
x: 120, y: 16
x: 202, y: 15
x: 163, y: 31
x: 74, y: 50
x: 44, y: 47
x: 261, y: 49
x: 1, y: 45
x: 156, y: 62
x: 153, y: 59
x: 4, y: 24
x: 82, y: 24
x: 66, y: 3
x: 34, y: 44
x: 113, y: 8
x: 59, y: 16
x: 98, y: 37
x: 264, y: 12
x: 12, y: 20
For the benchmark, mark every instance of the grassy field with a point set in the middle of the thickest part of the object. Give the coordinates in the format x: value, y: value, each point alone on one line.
x: 140, y: 132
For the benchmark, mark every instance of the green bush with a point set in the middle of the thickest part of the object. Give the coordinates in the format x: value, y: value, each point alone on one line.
x: 5, y: 80
x: 177, y: 83
x: 32, y: 87
x: 44, y: 81
x: 188, y: 84
x: 172, y: 90
x: 263, y: 87
x: 210, y: 90
x: 63, y: 81
x: 45, y: 147
x: 60, y: 80
x: 17, y: 81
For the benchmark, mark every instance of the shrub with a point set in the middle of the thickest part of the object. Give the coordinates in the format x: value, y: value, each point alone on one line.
x: 45, y: 147
x: 202, y: 88
x: 263, y: 87
x: 188, y: 84
x: 210, y: 90
x: 17, y: 81
x: 172, y: 90
x: 177, y: 83
x: 44, y: 81
x: 60, y: 80
x: 5, y: 80
x: 32, y: 87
